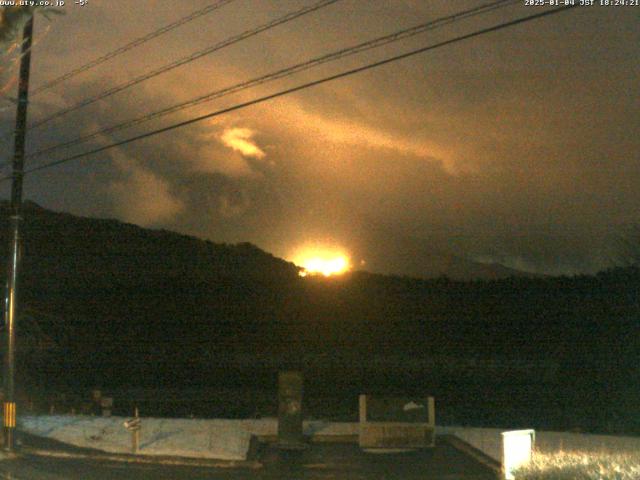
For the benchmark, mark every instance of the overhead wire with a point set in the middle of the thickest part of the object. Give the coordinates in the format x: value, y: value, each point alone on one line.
x: 14, y: 61
x: 133, y: 44
x: 282, y: 73
x: 185, y: 60
x: 303, y: 86
x: 114, y: 53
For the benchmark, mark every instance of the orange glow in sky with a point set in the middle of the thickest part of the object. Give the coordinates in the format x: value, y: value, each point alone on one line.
x: 321, y: 261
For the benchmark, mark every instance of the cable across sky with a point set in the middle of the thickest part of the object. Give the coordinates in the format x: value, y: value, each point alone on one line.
x: 476, y: 33
x: 114, y: 53
x: 286, y: 72
x: 133, y: 44
x: 185, y: 60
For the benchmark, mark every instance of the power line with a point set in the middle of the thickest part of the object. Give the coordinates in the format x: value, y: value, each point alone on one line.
x: 279, y: 74
x: 185, y: 60
x: 135, y: 43
x: 304, y: 86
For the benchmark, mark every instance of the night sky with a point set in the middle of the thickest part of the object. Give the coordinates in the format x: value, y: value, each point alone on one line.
x: 520, y: 146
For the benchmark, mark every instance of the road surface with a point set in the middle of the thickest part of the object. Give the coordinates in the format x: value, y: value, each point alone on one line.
x: 319, y: 462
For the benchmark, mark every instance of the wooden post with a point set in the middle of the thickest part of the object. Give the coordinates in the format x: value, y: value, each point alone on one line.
x: 431, y: 405
x: 362, y: 400
x: 134, y: 426
x: 135, y: 435
x: 135, y: 440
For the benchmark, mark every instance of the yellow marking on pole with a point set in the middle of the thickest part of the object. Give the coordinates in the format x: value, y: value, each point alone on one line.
x: 9, y: 414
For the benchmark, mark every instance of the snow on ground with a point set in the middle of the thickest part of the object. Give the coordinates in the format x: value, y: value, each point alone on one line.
x: 218, y: 439
x: 196, y: 438
x: 230, y: 439
x: 489, y: 441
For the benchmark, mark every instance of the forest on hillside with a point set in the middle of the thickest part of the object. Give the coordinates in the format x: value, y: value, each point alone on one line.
x: 114, y: 305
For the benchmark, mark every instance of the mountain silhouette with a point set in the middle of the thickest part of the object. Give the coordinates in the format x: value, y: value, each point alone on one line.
x: 102, y: 302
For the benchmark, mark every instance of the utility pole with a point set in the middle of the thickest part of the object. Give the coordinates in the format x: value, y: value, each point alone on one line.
x: 11, y: 299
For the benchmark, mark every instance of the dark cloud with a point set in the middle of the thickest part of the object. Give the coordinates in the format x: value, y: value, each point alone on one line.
x: 516, y: 147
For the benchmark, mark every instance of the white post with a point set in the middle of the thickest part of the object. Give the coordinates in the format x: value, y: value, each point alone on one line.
x: 517, y: 448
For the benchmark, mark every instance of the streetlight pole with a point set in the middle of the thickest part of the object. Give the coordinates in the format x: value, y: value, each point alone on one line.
x: 11, y: 299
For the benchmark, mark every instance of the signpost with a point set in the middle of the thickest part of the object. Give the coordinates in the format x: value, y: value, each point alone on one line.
x: 134, y: 425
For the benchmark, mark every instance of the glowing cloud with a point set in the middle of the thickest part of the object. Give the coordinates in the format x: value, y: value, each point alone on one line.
x: 142, y: 196
x: 360, y: 135
x: 240, y: 140
x: 12, y: 20
x: 233, y: 205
